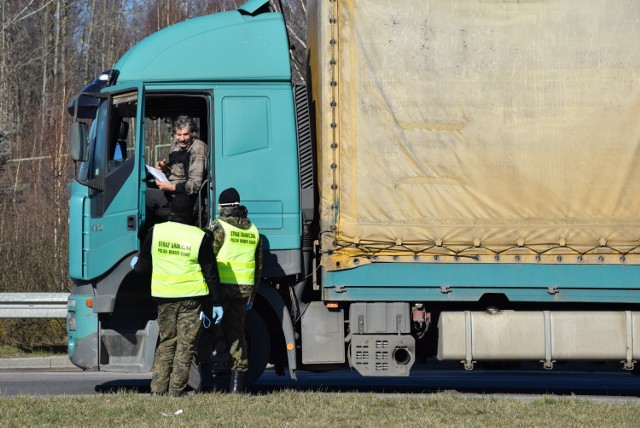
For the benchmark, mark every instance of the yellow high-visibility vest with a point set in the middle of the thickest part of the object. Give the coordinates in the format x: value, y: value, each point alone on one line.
x: 236, y: 258
x: 176, y: 271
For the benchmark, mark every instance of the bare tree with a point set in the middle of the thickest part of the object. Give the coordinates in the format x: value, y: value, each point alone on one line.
x: 34, y: 36
x: 294, y: 12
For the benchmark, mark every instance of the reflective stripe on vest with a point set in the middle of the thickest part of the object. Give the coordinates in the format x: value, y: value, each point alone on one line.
x: 176, y: 271
x: 236, y: 258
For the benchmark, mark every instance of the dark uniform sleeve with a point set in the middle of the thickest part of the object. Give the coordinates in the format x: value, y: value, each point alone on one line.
x: 144, y: 265
x: 258, y: 272
x: 209, y: 266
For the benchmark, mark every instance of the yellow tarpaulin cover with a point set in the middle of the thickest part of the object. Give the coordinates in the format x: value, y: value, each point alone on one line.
x: 477, y: 126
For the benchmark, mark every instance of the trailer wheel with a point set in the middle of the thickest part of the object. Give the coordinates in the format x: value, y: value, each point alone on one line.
x: 259, y: 347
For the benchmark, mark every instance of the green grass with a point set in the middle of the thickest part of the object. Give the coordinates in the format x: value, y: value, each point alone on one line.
x: 32, y: 334
x: 8, y: 351
x: 312, y: 409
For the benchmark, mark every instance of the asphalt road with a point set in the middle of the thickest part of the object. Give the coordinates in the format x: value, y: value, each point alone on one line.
x: 595, y: 382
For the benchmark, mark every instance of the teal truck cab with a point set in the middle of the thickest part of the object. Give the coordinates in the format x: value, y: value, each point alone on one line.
x: 456, y: 181
x: 228, y: 71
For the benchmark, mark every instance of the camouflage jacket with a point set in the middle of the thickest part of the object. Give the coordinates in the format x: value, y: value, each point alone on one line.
x: 235, y: 216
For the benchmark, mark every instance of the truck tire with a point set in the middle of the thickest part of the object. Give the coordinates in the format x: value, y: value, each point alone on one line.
x: 259, y: 347
x: 259, y: 344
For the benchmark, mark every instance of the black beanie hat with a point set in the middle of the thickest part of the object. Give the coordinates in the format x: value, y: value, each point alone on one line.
x: 181, y: 206
x: 229, y: 196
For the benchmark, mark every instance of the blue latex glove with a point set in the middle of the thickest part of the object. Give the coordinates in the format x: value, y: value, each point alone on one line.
x: 134, y: 260
x: 250, y: 302
x: 217, y: 314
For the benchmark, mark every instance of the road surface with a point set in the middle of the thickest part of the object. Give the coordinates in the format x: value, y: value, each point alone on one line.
x: 602, y: 385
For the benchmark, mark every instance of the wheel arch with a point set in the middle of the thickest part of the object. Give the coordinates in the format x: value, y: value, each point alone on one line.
x: 272, y: 307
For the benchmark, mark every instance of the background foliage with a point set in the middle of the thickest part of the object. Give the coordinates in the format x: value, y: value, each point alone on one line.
x: 49, y: 51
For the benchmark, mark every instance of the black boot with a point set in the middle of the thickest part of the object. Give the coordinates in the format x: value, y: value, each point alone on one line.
x: 206, y: 378
x: 221, y: 381
x: 235, y: 386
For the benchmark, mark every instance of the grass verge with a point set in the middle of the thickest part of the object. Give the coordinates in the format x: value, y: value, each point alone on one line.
x: 313, y: 409
x: 8, y: 351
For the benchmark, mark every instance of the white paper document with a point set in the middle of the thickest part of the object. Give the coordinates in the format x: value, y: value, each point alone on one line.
x: 159, y: 175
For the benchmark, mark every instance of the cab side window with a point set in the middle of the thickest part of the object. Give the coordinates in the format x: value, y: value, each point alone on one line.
x: 116, y: 144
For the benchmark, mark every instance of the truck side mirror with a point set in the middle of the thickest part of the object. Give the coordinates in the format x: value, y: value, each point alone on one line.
x: 78, y: 132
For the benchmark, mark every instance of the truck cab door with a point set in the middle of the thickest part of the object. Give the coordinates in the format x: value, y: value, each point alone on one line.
x: 105, y: 200
x: 256, y: 153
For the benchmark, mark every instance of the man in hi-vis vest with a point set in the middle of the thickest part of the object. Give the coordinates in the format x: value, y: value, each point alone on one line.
x: 184, y: 278
x: 238, y: 249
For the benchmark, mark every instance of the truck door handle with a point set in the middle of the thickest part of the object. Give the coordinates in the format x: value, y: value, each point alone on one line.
x: 131, y: 222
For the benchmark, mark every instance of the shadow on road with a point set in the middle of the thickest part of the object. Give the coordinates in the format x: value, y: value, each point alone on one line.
x: 574, y: 380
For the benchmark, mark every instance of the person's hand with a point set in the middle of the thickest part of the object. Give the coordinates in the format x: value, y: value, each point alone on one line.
x: 217, y: 314
x: 250, y: 302
x: 134, y: 260
x: 165, y: 186
x: 161, y: 165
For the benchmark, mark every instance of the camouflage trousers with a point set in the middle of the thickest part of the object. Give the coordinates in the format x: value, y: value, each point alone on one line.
x: 235, y: 312
x: 179, y: 323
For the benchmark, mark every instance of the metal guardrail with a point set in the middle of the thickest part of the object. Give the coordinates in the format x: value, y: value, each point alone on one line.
x: 33, y: 305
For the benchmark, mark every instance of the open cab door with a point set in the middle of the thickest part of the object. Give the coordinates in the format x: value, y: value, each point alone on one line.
x: 105, y: 206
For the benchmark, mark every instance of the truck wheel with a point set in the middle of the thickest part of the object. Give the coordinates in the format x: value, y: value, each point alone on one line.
x: 205, y: 347
x: 194, y: 376
x: 259, y: 344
